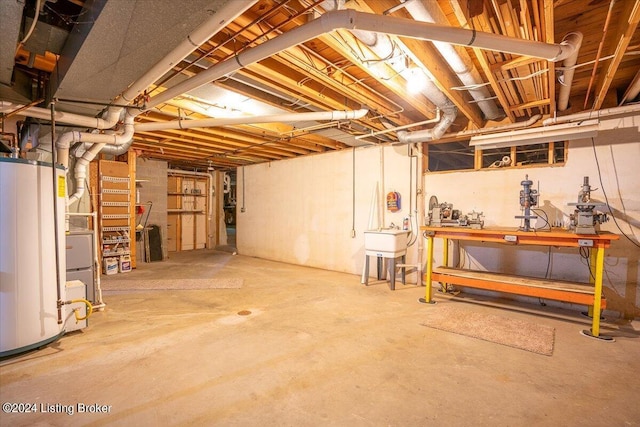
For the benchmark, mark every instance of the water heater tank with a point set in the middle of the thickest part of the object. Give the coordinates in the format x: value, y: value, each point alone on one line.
x: 28, y: 285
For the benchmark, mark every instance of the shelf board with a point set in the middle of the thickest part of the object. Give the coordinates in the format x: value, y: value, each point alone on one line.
x: 185, y: 211
x: 186, y: 194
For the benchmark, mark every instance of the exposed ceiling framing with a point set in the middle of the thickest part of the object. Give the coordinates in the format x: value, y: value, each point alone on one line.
x: 84, y: 54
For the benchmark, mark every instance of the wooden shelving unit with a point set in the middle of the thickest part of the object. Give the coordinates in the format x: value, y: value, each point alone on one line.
x: 115, y: 211
x: 187, y: 207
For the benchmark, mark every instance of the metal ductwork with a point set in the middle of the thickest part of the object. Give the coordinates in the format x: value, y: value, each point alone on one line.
x: 573, y: 39
x: 468, y: 75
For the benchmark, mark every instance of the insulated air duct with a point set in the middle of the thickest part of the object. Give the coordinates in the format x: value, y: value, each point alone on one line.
x: 469, y: 76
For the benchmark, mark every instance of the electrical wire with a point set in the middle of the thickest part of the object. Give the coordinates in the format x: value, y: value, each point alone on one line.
x: 586, y: 255
x: 606, y: 198
x: 543, y: 215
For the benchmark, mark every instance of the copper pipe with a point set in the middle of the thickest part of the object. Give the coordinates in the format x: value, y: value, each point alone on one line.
x: 595, y: 65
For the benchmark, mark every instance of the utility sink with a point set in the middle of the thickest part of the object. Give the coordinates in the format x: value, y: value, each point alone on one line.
x: 385, y: 242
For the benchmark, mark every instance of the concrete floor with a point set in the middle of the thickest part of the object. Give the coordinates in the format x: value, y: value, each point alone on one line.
x: 318, y: 349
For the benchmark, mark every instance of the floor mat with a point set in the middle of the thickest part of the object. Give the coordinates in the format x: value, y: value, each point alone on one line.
x: 520, y: 334
x: 170, y: 284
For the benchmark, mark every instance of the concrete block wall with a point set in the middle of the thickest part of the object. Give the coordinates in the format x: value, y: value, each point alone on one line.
x: 153, y: 189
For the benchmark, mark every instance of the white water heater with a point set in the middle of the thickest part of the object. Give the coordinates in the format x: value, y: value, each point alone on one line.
x: 28, y: 284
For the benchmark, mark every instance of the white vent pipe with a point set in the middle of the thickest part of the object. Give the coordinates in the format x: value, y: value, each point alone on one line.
x: 276, y: 118
x: 430, y: 12
x: 68, y: 118
x: 218, y: 20
x: 352, y: 20
x: 626, y: 109
x: 99, y: 142
x: 80, y: 170
x: 574, y: 39
x: 513, y: 126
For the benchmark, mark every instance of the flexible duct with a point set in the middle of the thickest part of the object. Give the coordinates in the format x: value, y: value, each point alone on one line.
x: 430, y: 12
x: 203, y: 123
x: 352, y: 20
x: 448, y: 117
x: 382, y: 46
x: 574, y: 39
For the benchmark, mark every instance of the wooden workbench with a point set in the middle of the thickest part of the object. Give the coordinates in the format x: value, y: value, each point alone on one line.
x: 579, y: 293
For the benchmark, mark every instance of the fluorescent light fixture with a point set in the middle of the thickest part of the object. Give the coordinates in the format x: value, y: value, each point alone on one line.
x: 561, y: 132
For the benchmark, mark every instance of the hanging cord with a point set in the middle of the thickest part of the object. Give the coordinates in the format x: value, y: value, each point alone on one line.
x: 606, y: 198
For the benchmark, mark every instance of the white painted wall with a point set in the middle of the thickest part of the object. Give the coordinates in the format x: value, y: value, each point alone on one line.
x: 300, y: 210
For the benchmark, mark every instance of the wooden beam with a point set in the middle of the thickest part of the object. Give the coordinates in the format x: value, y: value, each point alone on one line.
x: 460, y: 7
x: 549, y: 37
x: 626, y: 29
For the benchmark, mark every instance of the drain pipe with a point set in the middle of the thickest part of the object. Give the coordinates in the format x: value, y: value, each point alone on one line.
x: 574, y: 39
x: 205, y: 123
x: 99, y: 142
x: 614, y: 111
x: 513, y: 126
x: 352, y: 20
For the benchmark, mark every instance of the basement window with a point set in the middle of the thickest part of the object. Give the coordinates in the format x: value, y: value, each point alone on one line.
x: 450, y: 156
x: 459, y: 156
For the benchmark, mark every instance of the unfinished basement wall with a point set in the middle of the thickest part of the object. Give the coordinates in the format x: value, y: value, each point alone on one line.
x: 302, y: 211
x: 152, y: 183
x: 496, y: 193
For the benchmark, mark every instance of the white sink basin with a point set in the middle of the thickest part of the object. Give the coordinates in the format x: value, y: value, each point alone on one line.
x: 386, y: 242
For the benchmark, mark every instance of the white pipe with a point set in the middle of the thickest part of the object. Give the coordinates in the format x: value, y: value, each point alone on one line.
x: 33, y: 23
x: 574, y: 39
x: 218, y: 20
x: 430, y: 134
x: 80, y: 171
x: 431, y: 12
x: 289, y: 117
x: 73, y: 119
x: 633, y: 108
x: 64, y: 142
x: 397, y: 128
x: 471, y: 132
x: 352, y: 20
